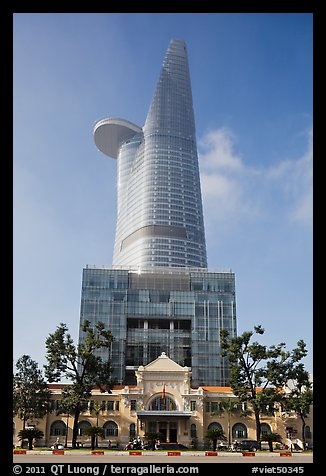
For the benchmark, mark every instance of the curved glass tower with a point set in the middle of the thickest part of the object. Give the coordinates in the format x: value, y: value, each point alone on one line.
x: 158, y: 295
x: 159, y: 206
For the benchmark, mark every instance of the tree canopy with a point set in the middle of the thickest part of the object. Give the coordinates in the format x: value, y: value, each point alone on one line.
x: 79, y: 364
x: 31, y: 396
x: 300, y: 396
x: 259, y: 373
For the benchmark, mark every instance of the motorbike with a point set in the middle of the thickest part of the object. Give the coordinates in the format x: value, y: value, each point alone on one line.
x: 57, y: 447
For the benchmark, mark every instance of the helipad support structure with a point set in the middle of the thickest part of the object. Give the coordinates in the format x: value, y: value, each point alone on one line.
x: 111, y: 133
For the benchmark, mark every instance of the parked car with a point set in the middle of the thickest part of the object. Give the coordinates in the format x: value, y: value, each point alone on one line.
x: 247, y: 445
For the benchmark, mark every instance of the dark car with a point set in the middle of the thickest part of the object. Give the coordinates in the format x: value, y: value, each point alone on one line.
x: 247, y: 445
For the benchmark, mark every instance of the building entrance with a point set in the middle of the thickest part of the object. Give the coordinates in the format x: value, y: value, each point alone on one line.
x: 173, y: 435
x: 168, y: 430
x: 163, y: 432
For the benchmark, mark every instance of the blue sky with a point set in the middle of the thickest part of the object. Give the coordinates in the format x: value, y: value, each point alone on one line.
x: 251, y: 76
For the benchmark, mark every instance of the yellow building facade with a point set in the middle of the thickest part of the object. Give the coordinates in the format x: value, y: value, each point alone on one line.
x: 162, y: 401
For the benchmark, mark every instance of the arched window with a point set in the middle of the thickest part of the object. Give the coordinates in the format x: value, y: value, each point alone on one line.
x: 265, y: 429
x: 82, y: 425
x: 215, y: 426
x: 239, y: 430
x: 193, y: 431
x: 110, y: 429
x: 132, y: 430
x: 159, y: 404
x: 58, y: 428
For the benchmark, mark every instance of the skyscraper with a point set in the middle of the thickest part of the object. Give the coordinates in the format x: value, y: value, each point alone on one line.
x: 159, y: 296
x: 159, y: 205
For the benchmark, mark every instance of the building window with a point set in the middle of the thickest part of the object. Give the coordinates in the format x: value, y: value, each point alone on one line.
x: 84, y: 406
x: 117, y: 405
x: 239, y: 430
x: 165, y: 404
x: 213, y: 407
x: 58, y: 428
x: 110, y: 404
x: 132, y: 430
x: 307, y: 432
x: 54, y: 405
x: 265, y: 430
x: 215, y: 426
x: 193, y: 431
x: 132, y: 405
x: 110, y: 429
x: 82, y: 425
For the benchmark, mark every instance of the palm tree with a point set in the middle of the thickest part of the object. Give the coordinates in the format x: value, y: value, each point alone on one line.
x: 96, y: 408
x: 271, y: 438
x: 231, y: 406
x: 94, y: 432
x: 30, y: 434
x: 215, y: 434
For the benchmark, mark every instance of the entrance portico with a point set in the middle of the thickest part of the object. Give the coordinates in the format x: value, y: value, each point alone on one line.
x: 165, y: 407
x: 171, y: 424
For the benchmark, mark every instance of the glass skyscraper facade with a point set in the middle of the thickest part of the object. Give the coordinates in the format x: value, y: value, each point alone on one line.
x: 159, y: 205
x: 176, y: 311
x: 159, y: 296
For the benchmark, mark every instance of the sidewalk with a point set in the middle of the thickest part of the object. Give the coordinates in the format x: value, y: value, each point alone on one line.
x: 126, y: 454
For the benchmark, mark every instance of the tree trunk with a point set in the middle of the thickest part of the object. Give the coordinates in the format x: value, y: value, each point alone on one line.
x: 24, y: 425
x: 93, y: 442
x: 270, y: 444
x: 229, y: 430
x: 303, y: 432
x: 30, y: 443
x: 66, y: 440
x: 75, y: 428
x: 258, y: 427
x: 96, y: 439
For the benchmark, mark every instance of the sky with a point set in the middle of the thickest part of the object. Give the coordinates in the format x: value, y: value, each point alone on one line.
x: 251, y: 76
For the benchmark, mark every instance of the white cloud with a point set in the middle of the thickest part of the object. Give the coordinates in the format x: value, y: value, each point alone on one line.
x: 224, y: 178
x: 218, y: 146
x: 234, y: 191
x: 295, y: 181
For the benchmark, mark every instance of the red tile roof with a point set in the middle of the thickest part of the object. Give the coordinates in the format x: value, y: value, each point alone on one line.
x: 211, y: 388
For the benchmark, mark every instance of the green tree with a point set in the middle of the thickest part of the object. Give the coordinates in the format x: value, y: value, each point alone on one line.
x: 231, y: 407
x: 30, y: 434
x: 79, y: 364
x: 271, y: 438
x: 96, y: 408
x: 258, y: 372
x: 94, y: 432
x: 300, y: 396
x: 215, y: 434
x: 67, y: 405
x: 31, y: 396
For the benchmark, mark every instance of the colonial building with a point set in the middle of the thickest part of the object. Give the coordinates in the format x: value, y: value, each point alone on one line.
x: 162, y: 401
